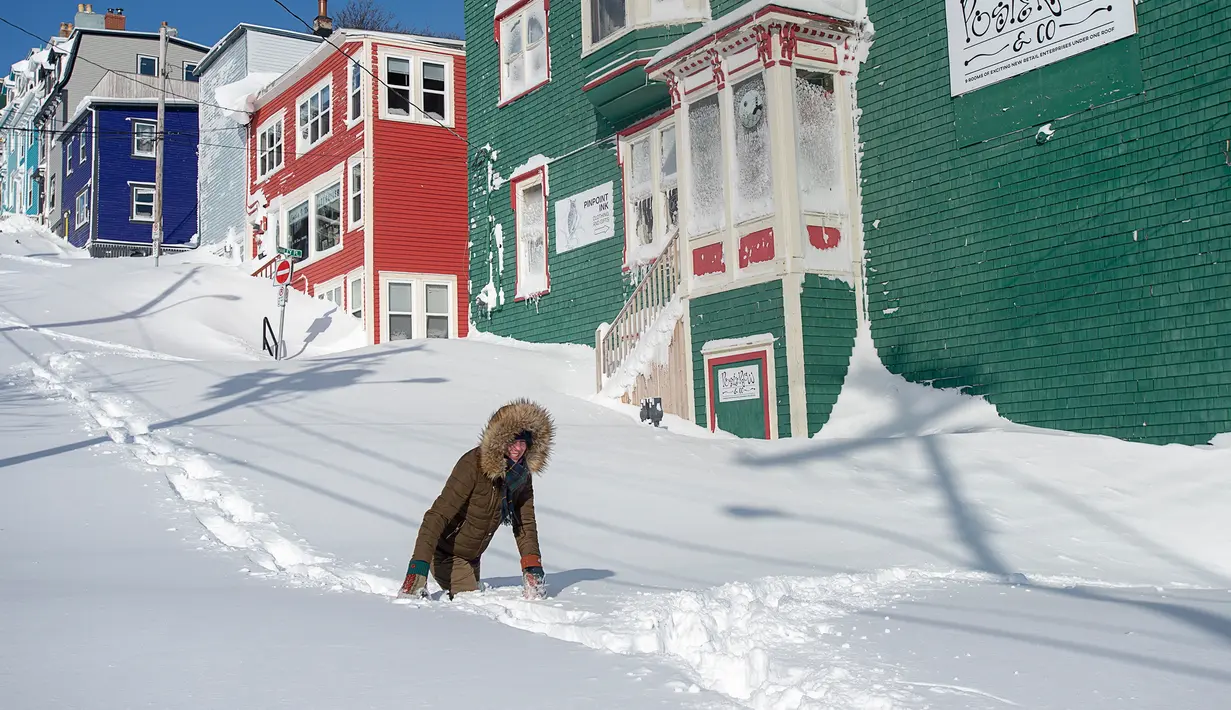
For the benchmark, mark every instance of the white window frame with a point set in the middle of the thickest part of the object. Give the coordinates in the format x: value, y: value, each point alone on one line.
x: 152, y: 59
x: 519, y: 185
x: 451, y: 298
x: 308, y: 193
x: 638, y: 14
x: 149, y: 124
x: 355, y: 67
x: 68, y: 162
x: 354, y: 217
x: 81, y: 150
x: 278, y: 119
x: 303, y: 145
x: 194, y: 66
x: 503, y: 28
x: 419, y: 284
x: 133, y: 189
x: 416, y: 59
x: 322, y: 290
x: 78, y: 212
x: 355, y: 277
x: 51, y: 192
x: 658, y: 192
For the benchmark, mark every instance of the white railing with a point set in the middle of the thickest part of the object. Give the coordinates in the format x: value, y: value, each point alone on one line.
x: 616, y: 341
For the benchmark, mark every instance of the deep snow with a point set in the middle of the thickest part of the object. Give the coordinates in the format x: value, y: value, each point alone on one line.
x: 921, y: 552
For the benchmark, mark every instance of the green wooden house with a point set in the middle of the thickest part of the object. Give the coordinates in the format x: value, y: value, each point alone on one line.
x: 715, y: 194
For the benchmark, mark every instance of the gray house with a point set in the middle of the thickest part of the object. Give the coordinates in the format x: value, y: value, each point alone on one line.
x: 104, y: 62
x: 245, y: 59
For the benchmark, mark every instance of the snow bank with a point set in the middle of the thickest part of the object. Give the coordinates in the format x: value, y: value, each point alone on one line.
x: 239, y: 98
x: 652, y: 348
x: 875, y: 403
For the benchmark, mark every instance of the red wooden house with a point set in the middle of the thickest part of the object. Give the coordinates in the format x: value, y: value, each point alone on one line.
x: 367, y: 177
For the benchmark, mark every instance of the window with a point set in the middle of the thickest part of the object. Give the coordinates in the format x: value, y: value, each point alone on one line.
x: 651, y: 191
x: 269, y: 149
x: 51, y: 192
x: 437, y: 310
x: 328, y: 218
x: 146, y: 65
x: 524, y: 52
x: 331, y: 292
x: 82, y: 208
x: 605, y: 20
x: 297, y: 227
x: 354, y: 297
x: 315, y: 118
x: 142, y: 202
x: 144, y: 135
x: 433, y: 90
x: 190, y: 71
x: 753, y: 186
x: 532, y: 278
x: 355, y: 105
x: 708, y: 211
x: 401, y: 310
x: 81, y: 149
x: 821, y: 186
x: 68, y: 157
x: 397, y: 77
x: 355, y: 191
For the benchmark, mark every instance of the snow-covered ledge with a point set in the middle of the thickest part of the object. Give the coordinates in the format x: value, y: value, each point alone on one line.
x: 764, y: 109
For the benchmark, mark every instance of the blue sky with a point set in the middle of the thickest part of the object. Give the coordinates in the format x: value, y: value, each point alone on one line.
x: 203, y: 22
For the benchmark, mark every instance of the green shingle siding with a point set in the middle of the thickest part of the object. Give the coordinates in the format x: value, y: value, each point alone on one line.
x: 1080, y: 284
x: 829, y: 323
x: 741, y: 313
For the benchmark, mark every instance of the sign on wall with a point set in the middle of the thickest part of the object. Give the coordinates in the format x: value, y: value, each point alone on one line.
x: 993, y: 40
x: 736, y: 384
x: 584, y: 218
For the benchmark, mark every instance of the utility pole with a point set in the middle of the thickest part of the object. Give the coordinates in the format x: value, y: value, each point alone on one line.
x: 160, y: 140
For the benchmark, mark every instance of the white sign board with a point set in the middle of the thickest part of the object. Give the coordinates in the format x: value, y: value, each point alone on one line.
x: 993, y: 40
x: 584, y: 218
x: 736, y: 384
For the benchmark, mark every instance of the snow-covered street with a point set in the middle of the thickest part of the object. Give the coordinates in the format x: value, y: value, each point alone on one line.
x: 188, y: 524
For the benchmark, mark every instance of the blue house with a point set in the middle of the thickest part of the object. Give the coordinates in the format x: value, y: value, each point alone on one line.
x: 108, y: 169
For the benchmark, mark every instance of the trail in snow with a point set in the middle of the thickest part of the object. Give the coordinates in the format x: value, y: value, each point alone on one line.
x: 35, y: 261
x: 116, y: 347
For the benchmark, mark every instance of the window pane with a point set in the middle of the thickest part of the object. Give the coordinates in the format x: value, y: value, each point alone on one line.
x: 356, y: 105
x: 147, y: 66
x: 328, y: 217
x: 355, y: 297
x: 535, y: 27
x: 820, y: 168
x: 297, y: 227
x: 606, y: 16
x: 639, y: 180
x: 400, y: 327
x: 398, y: 72
x: 190, y: 72
x: 356, y: 76
x: 437, y: 326
x: 513, y: 39
x: 438, y: 299
x: 666, y: 161
x: 401, y: 298
x: 754, y: 193
x: 399, y: 102
x: 705, y: 153
x: 434, y: 105
x: 537, y: 70
x: 433, y: 77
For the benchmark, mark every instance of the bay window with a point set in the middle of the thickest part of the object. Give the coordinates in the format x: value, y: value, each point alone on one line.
x: 819, y: 158
x: 524, y: 58
x: 708, y: 212
x: 753, y: 184
x: 651, y: 191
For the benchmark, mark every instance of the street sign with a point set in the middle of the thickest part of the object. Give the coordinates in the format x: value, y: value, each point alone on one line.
x: 282, y: 273
x: 295, y: 253
x: 282, y: 295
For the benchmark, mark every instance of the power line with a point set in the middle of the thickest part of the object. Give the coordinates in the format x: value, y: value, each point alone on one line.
x: 374, y: 76
x: 80, y: 58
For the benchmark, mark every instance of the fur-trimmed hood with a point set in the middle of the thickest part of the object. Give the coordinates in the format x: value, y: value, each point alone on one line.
x: 509, y: 421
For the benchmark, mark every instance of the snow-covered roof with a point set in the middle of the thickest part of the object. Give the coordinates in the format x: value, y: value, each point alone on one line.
x: 851, y: 10
x: 239, y: 98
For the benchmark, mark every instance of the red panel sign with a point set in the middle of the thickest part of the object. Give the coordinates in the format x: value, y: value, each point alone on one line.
x: 756, y: 248
x: 824, y: 237
x: 708, y: 260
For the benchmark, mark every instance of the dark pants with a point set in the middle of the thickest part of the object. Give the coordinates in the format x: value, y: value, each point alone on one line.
x: 455, y: 575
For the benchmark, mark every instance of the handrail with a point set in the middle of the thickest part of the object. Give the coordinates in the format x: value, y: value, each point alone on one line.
x: 266, y: 269
x: 642, y: 308
x: 269, y: 341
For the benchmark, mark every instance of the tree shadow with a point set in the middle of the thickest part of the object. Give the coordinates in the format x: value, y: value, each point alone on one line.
x: 557, y: 582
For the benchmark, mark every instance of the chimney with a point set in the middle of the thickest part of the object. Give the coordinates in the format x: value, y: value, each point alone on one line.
x: 66, y: 29
x: 322, y: 25
x: 114, y: 19
x: 86, y: 19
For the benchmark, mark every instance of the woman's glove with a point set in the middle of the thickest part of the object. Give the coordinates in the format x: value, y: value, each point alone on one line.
x: 533, y: 586
x: 416, y: 580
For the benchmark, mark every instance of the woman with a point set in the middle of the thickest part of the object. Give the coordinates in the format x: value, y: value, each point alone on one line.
x: 490, y: 485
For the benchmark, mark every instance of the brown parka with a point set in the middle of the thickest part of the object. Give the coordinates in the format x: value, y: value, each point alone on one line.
x: 460, y: 525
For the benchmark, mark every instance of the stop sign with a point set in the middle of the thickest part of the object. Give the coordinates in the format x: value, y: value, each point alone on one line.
x: 282, y: 272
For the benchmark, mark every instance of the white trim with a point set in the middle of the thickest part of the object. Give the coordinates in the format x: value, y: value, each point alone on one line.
x: 638, y: 14
x: 350, y: 278
x: 355, y: 161
x: 147, y: 56
x: 338, y: 282
x: 78, y: 222
x: 277, y: 118
x: 658, y: 196
x: 303, y: 146
x: 154, y: 150
x: 184, y: 70
x: 519, y: 187
x: 415, y: 112
x: 133, y: 187
x: 356, y: 61
x: 419, y: 283
x: 307, y: 193
x: 369, y: 216
x: 716, y: 351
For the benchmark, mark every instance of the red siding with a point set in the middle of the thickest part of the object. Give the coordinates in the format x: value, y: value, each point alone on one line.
x: 419, y: 196
x: 328, y: 157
